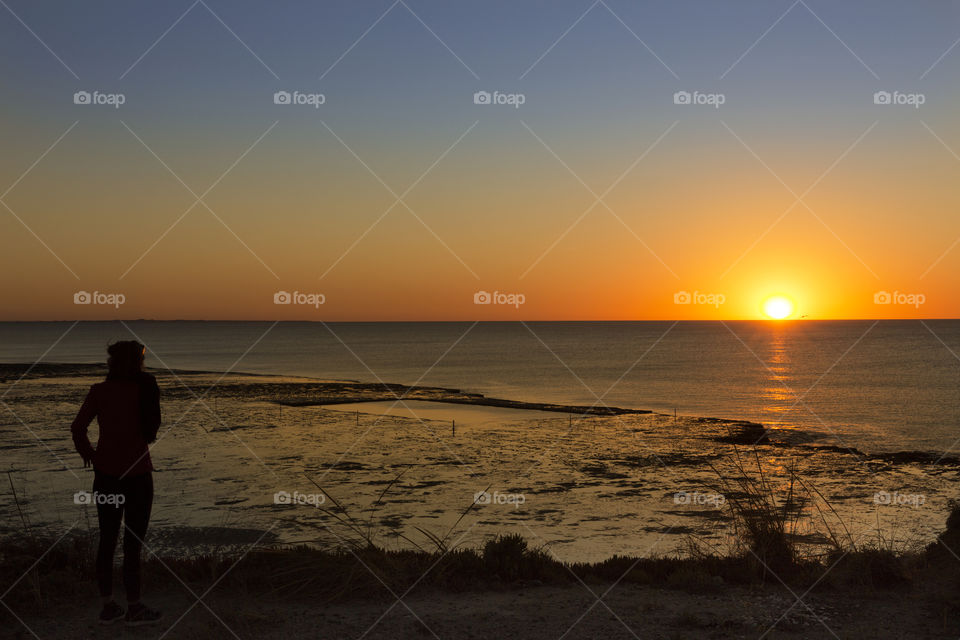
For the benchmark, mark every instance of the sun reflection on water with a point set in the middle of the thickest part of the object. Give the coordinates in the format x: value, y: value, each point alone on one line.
x: 777, y: 397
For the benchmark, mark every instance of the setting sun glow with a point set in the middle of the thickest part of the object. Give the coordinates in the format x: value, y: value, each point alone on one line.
x: 778, y: 307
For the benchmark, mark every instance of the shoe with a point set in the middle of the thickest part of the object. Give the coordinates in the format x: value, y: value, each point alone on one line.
x: 110, y: 613
x: 138, y: 614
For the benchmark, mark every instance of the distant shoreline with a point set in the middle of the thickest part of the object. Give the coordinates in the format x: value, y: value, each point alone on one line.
x: 352, y: 390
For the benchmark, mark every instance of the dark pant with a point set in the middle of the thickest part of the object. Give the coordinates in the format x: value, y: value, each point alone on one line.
x: 122, y: 499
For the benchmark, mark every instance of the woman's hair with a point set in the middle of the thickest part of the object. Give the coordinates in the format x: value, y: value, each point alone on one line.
x: 125, y: 359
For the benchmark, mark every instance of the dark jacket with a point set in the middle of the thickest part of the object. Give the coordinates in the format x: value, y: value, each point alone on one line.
x: 128, y: 414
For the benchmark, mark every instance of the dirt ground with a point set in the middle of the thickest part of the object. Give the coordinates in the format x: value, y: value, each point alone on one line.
x: 625, y: 611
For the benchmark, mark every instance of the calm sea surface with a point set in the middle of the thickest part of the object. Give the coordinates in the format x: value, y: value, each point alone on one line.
x: 878, y: 386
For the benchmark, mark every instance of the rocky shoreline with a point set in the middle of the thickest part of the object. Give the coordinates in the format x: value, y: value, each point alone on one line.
x: 307, y: 392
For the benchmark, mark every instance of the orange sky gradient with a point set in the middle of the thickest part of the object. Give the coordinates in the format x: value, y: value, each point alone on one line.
x: 503, y: 199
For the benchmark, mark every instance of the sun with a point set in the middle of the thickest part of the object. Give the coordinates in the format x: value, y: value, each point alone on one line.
x: 778, y: 307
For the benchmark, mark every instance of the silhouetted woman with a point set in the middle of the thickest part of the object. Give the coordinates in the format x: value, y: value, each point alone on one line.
x: 127, y: 408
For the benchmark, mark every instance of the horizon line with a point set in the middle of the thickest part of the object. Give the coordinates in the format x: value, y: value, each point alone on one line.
x: 520, y: 320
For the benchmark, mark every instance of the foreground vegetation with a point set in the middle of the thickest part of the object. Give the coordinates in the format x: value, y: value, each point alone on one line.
x: 769, y: 552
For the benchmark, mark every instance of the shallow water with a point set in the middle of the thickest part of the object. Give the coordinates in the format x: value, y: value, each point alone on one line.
x: 588, y: 488
x: 876, y: 386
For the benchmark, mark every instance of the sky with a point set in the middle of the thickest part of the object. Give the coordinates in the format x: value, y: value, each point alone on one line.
x: 534, y: 160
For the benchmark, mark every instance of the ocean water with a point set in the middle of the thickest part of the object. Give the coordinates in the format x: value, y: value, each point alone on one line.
x: 877, y: 386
